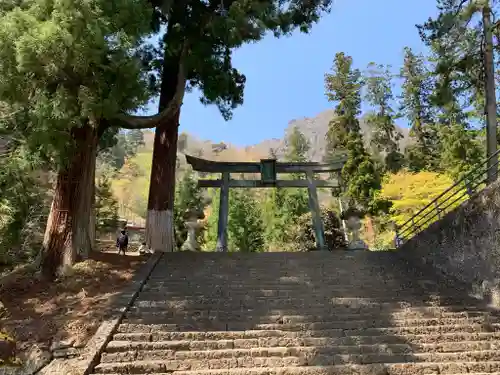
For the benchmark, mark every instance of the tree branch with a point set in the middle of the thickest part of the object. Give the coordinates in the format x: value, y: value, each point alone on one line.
x: 145, y: 122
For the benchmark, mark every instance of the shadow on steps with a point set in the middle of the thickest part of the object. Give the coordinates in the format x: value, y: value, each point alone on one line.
x: 218, y: 312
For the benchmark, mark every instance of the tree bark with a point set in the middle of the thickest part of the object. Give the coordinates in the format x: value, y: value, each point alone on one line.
x: 491, y: 102
x: 67, y: 235
x: 160, y: 217
x: 92, y: 219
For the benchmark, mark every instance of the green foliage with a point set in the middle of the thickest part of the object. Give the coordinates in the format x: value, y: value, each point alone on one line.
x: 214, y: 30
x: 410, y: 192
x: 343, y: 87
x: 384, y: 135
x: 461, y: 150
x: 415, y: 106
x: 188, y: 197
x: 65, y: 64
x: 297, y: 146
x: 362, y: 178
x: 283, y: 209
x: 456, y: 38
x: 303, y: 236
x: 212, y: 222
x: 245, y: 226
x: 23, y: 207
x: 126, y: 145
x: 106, y: 206
x: 246, y: 232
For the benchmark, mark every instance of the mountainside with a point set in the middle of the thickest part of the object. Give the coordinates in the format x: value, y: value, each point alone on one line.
x: 314, y: 128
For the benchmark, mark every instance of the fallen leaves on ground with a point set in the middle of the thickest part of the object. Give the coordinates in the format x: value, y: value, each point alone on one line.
x: 37, y: 312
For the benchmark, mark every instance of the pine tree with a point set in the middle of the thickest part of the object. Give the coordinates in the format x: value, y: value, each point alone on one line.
x: 363, y: 179
x: 297, y: 146
x: 414, y: 105
x: 343, y: 87
x: 385, y: 138
x: 286, y: 205
x: 359, y: 174
x: 463, y: 47
x: 459, y: 148
x: 245, y: 226
x: 106, y: 206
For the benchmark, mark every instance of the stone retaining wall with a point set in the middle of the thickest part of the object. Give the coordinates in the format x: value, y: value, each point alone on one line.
x: 464, y: 245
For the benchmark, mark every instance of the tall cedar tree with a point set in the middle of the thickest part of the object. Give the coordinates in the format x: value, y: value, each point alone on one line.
x: 422, y: 153
x: 452, y: 97
x: 343, y: 87
x: 297, y: 146
x: 288, y: 204
x: 106, y: 205
x: 462, y: 38
x: 68, y: 72
x: 196, y: 48
x: 385, y: 137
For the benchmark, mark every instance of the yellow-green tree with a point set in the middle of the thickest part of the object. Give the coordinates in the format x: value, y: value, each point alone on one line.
x: 410, y: 192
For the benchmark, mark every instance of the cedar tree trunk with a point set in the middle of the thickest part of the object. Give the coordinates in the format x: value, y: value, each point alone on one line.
x: 67, y: 234
x: 160, y: 216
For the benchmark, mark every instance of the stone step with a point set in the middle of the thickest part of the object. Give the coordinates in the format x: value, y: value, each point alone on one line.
x: 172, y: 332
x: 244, y: 319
x: 264, y: 323
x: 205, y: 286
x: 460, y: 368
x: 237, y: 285
x: 280, y: 294
x: 292, y: 304
x: 339, y: 280
x: 307, y: 297
x: 316, y: 316
x: 165, y: 365
x: 312, y: 270
x: 323, y: 370
x: 123, y: 351
x: 301, y: 357
x: 202, y: 341
x: 385, y: 310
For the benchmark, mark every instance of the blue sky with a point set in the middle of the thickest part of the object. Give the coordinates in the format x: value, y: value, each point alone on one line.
x: 285, y: 76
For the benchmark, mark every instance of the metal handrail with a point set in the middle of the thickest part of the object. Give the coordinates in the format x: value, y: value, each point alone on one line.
x: 445, y: 202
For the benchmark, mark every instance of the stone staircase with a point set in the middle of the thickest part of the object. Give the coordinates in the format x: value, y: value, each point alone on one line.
x: 301, y: 314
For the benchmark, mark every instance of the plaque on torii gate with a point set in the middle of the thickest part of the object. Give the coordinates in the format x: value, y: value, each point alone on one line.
x: 268, y: 170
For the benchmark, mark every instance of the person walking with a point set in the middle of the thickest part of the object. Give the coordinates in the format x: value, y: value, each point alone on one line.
x: 122, y: 242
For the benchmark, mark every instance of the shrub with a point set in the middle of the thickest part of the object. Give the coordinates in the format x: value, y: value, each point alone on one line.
x: 303, y: 233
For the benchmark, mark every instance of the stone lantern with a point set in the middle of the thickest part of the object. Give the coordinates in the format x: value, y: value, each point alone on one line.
x: 192, y: 225
x: 352, y: 218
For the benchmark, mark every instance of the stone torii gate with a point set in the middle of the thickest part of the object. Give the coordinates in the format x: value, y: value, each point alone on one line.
x: 268, y: 170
